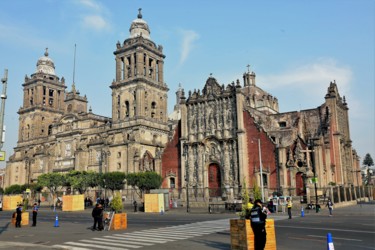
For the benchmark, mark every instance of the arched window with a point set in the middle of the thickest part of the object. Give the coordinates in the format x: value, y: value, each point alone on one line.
x: 49, y: 129
x: 126, y: 109
x: 153, y: 105
x: 172, y: 182
x: 153, y: 109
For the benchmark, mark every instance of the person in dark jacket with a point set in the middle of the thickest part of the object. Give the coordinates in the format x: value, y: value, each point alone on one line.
x: 35, y: 213
x: 258, y: 217
x: 19, y: 215
x: 97, y: 214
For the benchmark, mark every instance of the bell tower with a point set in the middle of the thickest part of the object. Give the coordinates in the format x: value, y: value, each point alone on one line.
x: 43, y: 101
x: 139, y: 94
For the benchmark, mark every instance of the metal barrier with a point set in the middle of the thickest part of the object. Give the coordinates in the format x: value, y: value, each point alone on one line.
x: 224, y: 207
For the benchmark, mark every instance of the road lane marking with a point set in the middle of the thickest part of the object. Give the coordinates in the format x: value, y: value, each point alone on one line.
x: 117, y: 242
x: 335, y: 238
x: 105, y: 243
x: 329, y: 229
x: 143, y: 239
x: 93, y: 246
x: 299, y: 238
x: 71, y: 248
x: 120, y: 239
x: 160, y: 235
x: 150, y: 237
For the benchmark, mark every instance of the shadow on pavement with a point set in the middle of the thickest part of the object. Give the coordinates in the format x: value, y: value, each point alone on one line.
x: 4, y: 228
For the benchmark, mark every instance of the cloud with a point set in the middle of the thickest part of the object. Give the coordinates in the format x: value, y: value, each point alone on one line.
x: 90, y: 4
x: 313, y: 78
x: 95, y: 15
x: 188, y: 39
x: 95, y: 22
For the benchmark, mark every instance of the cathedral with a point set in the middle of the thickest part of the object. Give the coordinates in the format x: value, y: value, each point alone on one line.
x: 216, y: 141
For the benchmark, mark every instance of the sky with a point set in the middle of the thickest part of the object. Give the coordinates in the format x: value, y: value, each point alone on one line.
x: 295, y: 47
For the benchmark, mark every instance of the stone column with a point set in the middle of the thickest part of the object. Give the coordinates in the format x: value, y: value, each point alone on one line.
x: 118, y: 69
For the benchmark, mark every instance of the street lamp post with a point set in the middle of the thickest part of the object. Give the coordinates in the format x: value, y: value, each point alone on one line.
x: 314, y: 172
x: 358, y: 188
x: 261, y: 170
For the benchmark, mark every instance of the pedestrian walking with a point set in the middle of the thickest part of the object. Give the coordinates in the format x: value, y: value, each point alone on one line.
x: 97, y: 214
x: 35, y: 214
x: 258, y: 216
x: 330, y: 206
x: 135, y: 204
x: 18, y: 215
x: 289, y: 205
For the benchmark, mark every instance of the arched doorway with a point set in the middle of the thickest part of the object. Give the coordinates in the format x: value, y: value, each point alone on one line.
x: 214, y: 180
x: 300, y: 184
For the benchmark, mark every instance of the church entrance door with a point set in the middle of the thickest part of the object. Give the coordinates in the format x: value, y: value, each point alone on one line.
x: 300, y: 184
x: 214, y: 180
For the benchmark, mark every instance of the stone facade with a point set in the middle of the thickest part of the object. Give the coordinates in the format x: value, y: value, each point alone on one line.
x: 216, y: 138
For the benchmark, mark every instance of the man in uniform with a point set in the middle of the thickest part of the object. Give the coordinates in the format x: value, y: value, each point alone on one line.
x: 289, y: 204
x: 19, y: 215
x: 35, y: 213
x: 258, y: 217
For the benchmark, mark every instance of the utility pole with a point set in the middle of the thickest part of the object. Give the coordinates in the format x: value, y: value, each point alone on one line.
x: 4, y: 81
x: 261, y: 169
x: 185, y: 154
x: 312, y: 144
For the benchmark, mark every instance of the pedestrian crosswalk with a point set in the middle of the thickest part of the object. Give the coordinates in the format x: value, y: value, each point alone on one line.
x: 148, y: 238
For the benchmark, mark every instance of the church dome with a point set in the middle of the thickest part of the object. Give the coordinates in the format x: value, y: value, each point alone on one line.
x: 139, y: 27
x: 45, y: 65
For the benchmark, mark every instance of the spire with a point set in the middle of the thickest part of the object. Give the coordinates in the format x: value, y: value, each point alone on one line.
x: 45, y: 65
x: 74, y: 64
x: 74, y: 88
x: 139, y: 27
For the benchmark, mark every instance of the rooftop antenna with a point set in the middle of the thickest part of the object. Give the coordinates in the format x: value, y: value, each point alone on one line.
x: 74, y: 64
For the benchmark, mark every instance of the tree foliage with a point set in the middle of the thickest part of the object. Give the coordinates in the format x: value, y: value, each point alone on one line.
x: 14, y: 189
x: 112, y: 180
x: 116, y: 203
x: 144, y: 181
x: 52, y: 181
x: 81, y: 181
x: 256, y: 191
x: 368, y: 161
x: 245, y: 200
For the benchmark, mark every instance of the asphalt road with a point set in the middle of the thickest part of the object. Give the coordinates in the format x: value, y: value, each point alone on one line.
x: 351, y: 228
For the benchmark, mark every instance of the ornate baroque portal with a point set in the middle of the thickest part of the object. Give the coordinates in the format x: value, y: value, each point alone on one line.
x: 211, y: 145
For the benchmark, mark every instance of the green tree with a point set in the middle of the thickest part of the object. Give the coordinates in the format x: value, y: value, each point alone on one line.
x: 367, y: 161
x: 52, y: 181
x: 81, y: 181
x: 112, y: 180
x: 256, y: 190
x: 116, y: 203
x: 14, y: 189
x: 144, y: 181
x: 245, y: 200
